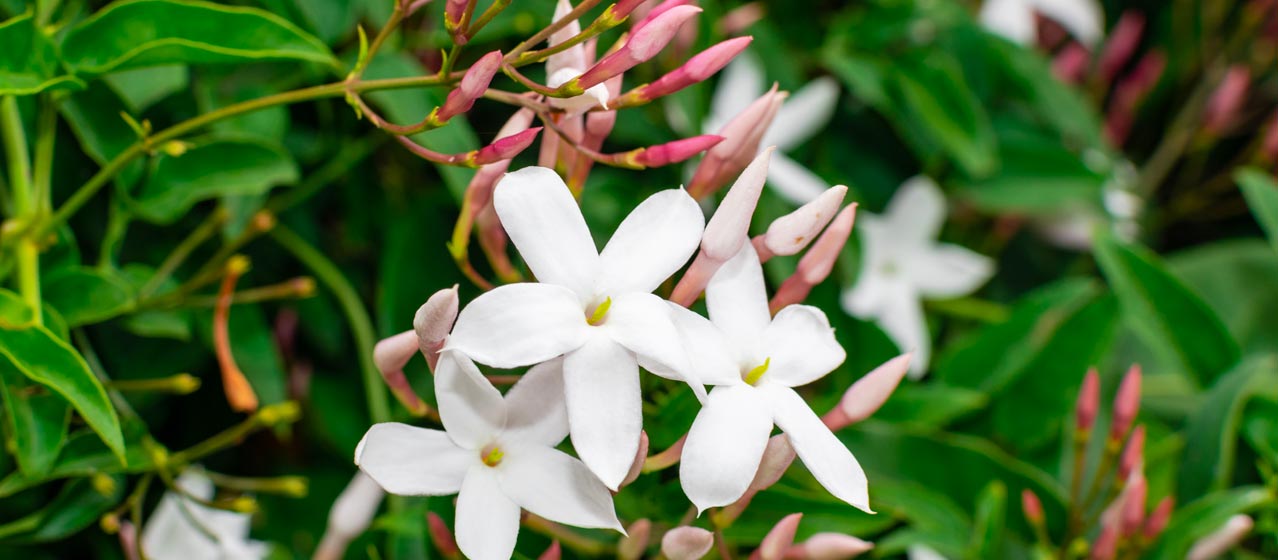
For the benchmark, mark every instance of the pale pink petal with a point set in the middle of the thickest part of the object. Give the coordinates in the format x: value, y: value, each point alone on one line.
x: 470, y: 407
x: 413, y: 461
x: 487, y: 520
x: 543, y: 221
x: 725, y: 446
x: 686, y: 543
x: 549, y: 483
x: 790, y: 233
x: 653, y: 242
x: 520, y: 324
x: 869, y: 392
x: 801, y: 346
x: 822, y: 453
x: 535, y: 409
x: 601, y: 384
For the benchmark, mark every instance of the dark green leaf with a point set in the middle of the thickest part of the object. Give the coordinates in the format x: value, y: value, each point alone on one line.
x: 930, y: 406
x: 97, y: 118
x: 84, y: 295
x: 1236, y: 278
x: 935, y: 96
x: 219, y: 168
x: 14, y: 313
x: 80, y: 503
x: 1199, y: 518
x: 1212, y: 432
x: 1262, y: 196
x: 142, y: 87
x: 35, y: 417
x: 39, y: 355
x: 28, y: 61
x: 156, y: 32
x: 1260, y: 428
x: 83, y: 455
x: 988, y: 526
x: 1168, y: 316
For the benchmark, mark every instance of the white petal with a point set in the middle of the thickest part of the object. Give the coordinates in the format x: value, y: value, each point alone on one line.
x: 924, y: 552
x: 865, y: 298
x: 169, y: 533
x: 739, y: 85
x: 551, y: 484
x: 471, y: 409
x: 487, y: 520
x: 520, y: 324
x: 1082, y: 18
x: 545, y: 224
x: 947, y: 271
x: 822, y: 453
x: 916, y: 213
x: 804, y: 114
x: 738, y: 301
x: 574, y: 57
x: 643, y: 324
x: 724, y: 446
x: 535, y: 410
x: 1009, y: 18
x: 901, y: 317
x: 801, y: 346
x: 711, y: 360
x: 653, y: 242
x: 601, y: 383
x: 794, y: 182
x: 412, y: 461
x: 195, y: 483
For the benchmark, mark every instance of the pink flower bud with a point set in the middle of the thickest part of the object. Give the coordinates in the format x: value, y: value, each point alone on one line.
x: 741, y: 18
x: 676, y: 151
x: 635, y: 543
x: 1133, y: 455
x: 433, y: 321
x: 869, y: 393
x: 829, y: 546
x: 441, y: 535
x: 645, y: 42
x: 1122, y: 43
x: 657, y: 10
x: 1225, y: 103
x: 779, y: 539
x: 1216, y: 544
x: 1269, y: 147
x: 640, y: 457
x: 391, y: 355
x: 1126, y: 404
x: 777, y: 457
x: 686, y: 543
x: 1070, y: 64
x: 697, y: 69
x: 553, y: 552
x: 817, y: 263
x: 1133, y: 514
x: 1130, y: 92
x: 473, y: 85
x: 454, y: 13
x: 1158, y: 519
x: 728, y: 229
x: 741, y: 140
x: 129, y: 540
x: 1032, y: 507
x: 505, y: 148
x: 623, y: 8
x: 1088, y: 402
x: 1106, y: 545
x: 352, y: 513
x: 790, y: 233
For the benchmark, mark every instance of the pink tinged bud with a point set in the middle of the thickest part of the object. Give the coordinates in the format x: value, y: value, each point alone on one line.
x: 1133, y: 514
x: 741, y: 18
x: 506, y: 148
x: 729, y: 227
x: 1158, y: 519
x: 792, y: 232
x: 1088, y: 402
x: 553, y: 552
x: 1070, y: 65
x: 1133, y: 455
x: 645, y: 42
x: 433, y: 321
x: 1126, y: 404
x: 1106, y: 545
x: 1032, y: 507
x: 829, y: 546
x: 472, y: 87
x: 777, y: 457
x: 676, y: 151
x: 818, y: 262
x: 869, y: 393
x: 352, y: 513
x: 454, y: 13
x: 741, y: 140
x: 686, y: 543
x: 391, y: 355
x: 1269, y: 147
x: 1227, y: 100
x: 779, y: 539
x: 1122, y: 43
x: 657, y: 10
x: 1216, y: 544
x: 640, y: 457
x: 697, y: 69
x: 623, y: 8
x: 635, y: 543
x: 1130, y: 92
x: 441, y: 535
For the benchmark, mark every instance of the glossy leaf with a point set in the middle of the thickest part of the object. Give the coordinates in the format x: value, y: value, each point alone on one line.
x: 84, y: 295
x: 29, y: 62
x: 83, y: 455
x: 1213, y: 430
x: 219, y: 168
x: 45, y: 359
x: 1168, y: 316
x: 96, y: 118
x: 79, y: 505
x: 143, y: 87
x: 145, y: 33
x: 35, y: 417
x: 1261, y: 191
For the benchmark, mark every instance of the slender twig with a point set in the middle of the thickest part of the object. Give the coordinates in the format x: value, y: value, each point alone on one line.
x: 544, y: 34
x: 199, y: 235
x: 25, y: 205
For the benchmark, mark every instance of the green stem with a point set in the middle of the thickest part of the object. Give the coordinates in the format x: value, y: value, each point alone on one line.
x: 397, y: 15
x: 361, y: 326
x: 545, y: 33
x: 46, y: 136
x: 199, y: 235
x: 24, y: 203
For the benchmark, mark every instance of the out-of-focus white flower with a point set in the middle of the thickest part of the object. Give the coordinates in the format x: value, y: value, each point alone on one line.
x: 901, y: 264
x: 924, y: 552
x: 1227, y: 536
x: 803, y: 114
x: 497, y: 454
x: 596, y: 309
x: 1014, y: 19
x: 352, y: 513
x: 183, y: 529
x: 755, y: 360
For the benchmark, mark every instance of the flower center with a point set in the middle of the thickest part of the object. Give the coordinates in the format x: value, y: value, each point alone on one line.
x: 597, y: 315
x: 889, y: 268
x: 491, y: 455
x: 752, y: 377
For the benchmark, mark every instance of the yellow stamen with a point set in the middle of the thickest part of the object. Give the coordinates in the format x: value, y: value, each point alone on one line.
x: 600, y: 312
x: 493, y: 458
x: 753, y: 375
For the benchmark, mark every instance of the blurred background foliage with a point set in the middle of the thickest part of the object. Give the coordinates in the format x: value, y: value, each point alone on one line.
x: 1173, y: 273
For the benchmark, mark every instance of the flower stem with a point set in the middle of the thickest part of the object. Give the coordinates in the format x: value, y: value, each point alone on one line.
x: 25, y: 207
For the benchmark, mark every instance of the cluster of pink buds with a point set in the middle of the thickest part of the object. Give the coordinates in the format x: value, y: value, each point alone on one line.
x: 691, y: 543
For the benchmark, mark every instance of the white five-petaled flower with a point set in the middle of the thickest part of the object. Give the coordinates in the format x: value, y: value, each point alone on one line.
x: 183, y: 529
x: 497, y: 454
x: 756, y: 360
x: 901, y: 263
x: 595, y: 309
x: 804, y: 114
x: 1014, y: 19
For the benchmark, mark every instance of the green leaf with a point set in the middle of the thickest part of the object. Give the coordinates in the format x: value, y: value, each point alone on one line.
x: 930, y: 406
x: 1212, y: 432
x: 85, y: 295
x: 219, y: 168
x: 988, y: 526
x: 142, y: 87
x: 1168, y: 316
x: 78, y: 505
x: 1260, y: 428
x: 83, y: 455
x: 935, y: 96
x: 1038, y: 175
x: 14, y: 312
x: 35, y: 418
x: 155, y: 32
x: 28, y: 61
x: 39, y: 355
x: 96, y: 117
x: 1236, y: 278
x: 1199, y: 518
x: 1261, y: 192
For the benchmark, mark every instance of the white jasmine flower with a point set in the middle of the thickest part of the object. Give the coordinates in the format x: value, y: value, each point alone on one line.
x: 901, y: 263
x: 497, y: 454
x: 756, y: 360
x: 562, y: 67
x: 183, y: 529
x: 595, y: 309
x: 803, y: 114
x: 1014, y: 19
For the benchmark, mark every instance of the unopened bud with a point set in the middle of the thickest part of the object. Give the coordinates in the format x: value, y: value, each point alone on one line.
x: 276, y: 414
x: 454, y: 14
x: 1126, y: 404
x: 645, y: 41
x: 1071, y: 63
x: 433, y: 321
x: 1133, y: 455
x: 110, y: 523
x: 1032, y: 507
x: 473, y: 85
x: 790, y: 233
x: 103, y: 484
x: 1133, y: 514
x: 818, y: 262
x: 741, y: 136
x: 264, y: 221
x: 1225, y: 103
x: 175, y: 148
x: 674, y: 152
x: 869, y: 393
x: 635, y: 543
x: 553, y: 552
x: 390, y: 356
x: 829, y: 546
x: 352, y: 512
x: 729, y: 227
x: 779, y: 539
x: 640, y: 457
x: 1216, y: 544
x: 1122, y: 43
x: 686, y: 543
x: 1129, y: 92
x: 244, y: 504
x: 1269, y: 146
x: 1106, y: 545
x: 504, y: 148
x: 777, y: 457
x: 441, y: 535
x: 1157, y: 520
x: 696, y: 70
x: 1088, y: 402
